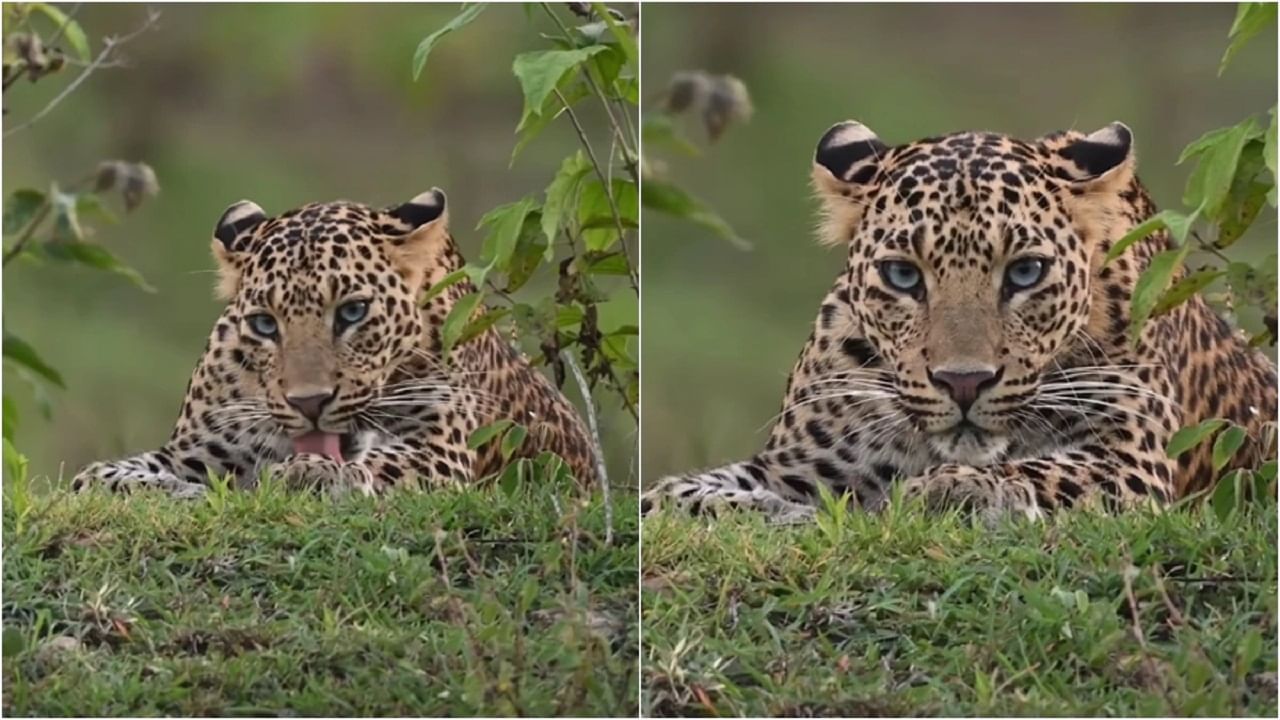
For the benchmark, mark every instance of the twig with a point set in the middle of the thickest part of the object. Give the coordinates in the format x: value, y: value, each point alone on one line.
x: 597, y: 448
x: 604, y: 100
x: 27, y: 234
x: 608, y: 189
x: 1130, y: 571
x: 1174, y: 613
x: 109, y: 46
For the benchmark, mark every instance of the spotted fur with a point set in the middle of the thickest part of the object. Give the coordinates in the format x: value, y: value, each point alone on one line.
x: 403, y: 413
x: 969, y: 388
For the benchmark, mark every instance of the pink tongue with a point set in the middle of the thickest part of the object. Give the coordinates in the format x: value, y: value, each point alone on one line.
x: 319, y: 443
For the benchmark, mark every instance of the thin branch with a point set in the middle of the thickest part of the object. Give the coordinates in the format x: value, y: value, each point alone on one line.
x: 608, y: 189
x: 27, y: 233
x: 604, y: 100
x: 1127, y: 575
x: 109, y: 45
x: 597, y: 448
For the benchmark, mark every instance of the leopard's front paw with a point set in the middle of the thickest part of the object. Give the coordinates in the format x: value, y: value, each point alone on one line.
x: 308, y: 471
x: 973, y: 490
x: 125, y: 476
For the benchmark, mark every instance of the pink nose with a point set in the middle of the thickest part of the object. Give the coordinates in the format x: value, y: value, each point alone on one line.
x: 965, y: 387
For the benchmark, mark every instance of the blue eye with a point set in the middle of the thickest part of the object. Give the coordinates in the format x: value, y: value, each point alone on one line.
x: 902, y: 275
x: 1024, y: 273
x: 350, y: 313
x: 263, y: 324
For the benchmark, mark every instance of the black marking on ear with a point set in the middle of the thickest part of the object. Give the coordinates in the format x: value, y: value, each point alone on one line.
x: 846, y: 145
x: 1100, y: 152
x: 240, y: 217
x: 421, y: 210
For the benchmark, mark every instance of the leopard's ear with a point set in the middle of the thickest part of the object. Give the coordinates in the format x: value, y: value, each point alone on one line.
x: 846, y: 168
x: 236, y: 223
x: 1102, y: 161
x: 424, y: 221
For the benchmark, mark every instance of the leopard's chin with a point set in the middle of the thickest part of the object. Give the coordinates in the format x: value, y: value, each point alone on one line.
x: 967, y: 444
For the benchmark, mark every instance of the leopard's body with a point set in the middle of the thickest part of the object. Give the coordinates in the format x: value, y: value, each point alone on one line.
x: 324, y: 336
x: 976, y: 347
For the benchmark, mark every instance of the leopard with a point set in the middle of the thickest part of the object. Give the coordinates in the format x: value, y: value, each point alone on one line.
x: 976, y: 352
x: 328, y: 366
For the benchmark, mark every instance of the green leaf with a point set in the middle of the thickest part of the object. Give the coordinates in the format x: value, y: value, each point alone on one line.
x: 1227, y: 495
x: 71, y: 29
x: 486, y: 320
x: 595, y: 213
x: 21, y: 208
x: 1151, y: 286
x: 540, y: 72
x: 1159, y: 221
x: 17, y: 350
x: 531, y: 252
x: 667, y: 198
x: 1239, y: 216
x: 1189, y: 437
x: 485, y: 433
x: 606, y: 67
x: 560, y: 196
x: 512, y: 441
x: 455, y: 323
x: 95, y: 256
x: 1246, y: 195
x: 1184, y: 289
x: 614, y: 263
x: 1209, y: 184
x: 504, y: 223
x: 532, y: 125
x: 1226, y: 445
x: 511, y: 479
x: 470, y: 11
x: 89, y: 205
x: 445, y: 283
x: 1203, y: 143
x: 620, y: 32
x: 1251, y: 18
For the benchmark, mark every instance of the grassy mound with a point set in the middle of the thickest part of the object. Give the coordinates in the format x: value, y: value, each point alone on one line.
x: 265, y: 603
x: 902, y: 614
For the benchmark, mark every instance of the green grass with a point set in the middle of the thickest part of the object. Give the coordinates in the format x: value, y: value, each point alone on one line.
x: 909, y: 615
x: 458, y: 602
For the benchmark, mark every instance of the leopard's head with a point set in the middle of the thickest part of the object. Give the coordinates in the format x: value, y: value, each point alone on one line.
x: 971, y: 259
x: 324, y: 300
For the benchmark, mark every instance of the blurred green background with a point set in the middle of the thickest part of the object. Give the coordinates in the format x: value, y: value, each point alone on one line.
x: 722, y: 327
x: 283, y: 104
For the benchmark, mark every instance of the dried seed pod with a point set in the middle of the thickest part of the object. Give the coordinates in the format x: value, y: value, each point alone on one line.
x: 139, y: 184
x: 686, y: 90
x: 727, y: 103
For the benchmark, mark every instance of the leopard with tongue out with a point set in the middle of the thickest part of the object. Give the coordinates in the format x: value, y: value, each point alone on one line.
x: 326, y: 369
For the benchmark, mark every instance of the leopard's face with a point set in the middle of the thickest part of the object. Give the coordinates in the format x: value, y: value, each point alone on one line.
x: 967, y: 275
x: 324, y: 300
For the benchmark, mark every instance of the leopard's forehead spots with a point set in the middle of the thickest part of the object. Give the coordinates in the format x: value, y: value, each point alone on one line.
x: 318, y: 253
x: 964, y: 200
